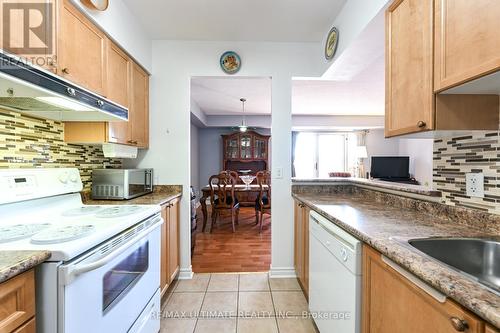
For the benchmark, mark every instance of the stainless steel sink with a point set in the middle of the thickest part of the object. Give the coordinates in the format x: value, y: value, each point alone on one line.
x: 478, y: 258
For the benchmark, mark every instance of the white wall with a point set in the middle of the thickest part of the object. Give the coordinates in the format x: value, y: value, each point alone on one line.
x: 378, y: 145
x: 195, y: 155
x: 174, y: 63
x: 123, y: 27
x: 420, y: 152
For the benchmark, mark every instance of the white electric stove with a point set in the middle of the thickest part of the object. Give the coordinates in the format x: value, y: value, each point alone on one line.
x: 103, y: 274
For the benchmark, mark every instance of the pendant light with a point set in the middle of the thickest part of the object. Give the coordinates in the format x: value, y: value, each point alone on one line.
x: 243, y: 127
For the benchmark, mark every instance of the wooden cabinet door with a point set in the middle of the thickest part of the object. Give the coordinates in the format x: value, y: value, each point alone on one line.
x: 164, y: 278
x: 409, y: 67
x: 82, y: 50
x: 393, y: 304
x: 173, y: 240
x: 119, y: 67
x: 29, y: 327
x: 467, y: 40
x: 139, y: 108
x: 298, y: 240
x: 491, y: 329
x: 17, y: 301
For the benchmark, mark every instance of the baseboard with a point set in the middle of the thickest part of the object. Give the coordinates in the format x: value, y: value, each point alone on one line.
x: 282, y: 272
x: 186, y: 273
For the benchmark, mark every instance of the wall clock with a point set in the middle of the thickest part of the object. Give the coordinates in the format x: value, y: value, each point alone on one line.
x: 96, y: 4
x: 332, y: 41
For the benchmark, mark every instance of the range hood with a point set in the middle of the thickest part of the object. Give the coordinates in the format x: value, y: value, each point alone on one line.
x: 40, y: 93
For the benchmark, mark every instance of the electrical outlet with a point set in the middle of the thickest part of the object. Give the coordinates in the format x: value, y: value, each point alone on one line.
x: 474, y: 182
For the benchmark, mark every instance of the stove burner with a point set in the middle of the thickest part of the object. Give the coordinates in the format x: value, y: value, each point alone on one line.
x: 62, y: 234
x: 84, y: 210
x: 118, y: 211
x: 19, y: 231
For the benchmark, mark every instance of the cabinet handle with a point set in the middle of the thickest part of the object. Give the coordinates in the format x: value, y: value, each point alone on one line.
x: 134, y: 142
x: 458, y: 324
x: 421, y: 124
x: 100, y: 103
x: 65, y: 70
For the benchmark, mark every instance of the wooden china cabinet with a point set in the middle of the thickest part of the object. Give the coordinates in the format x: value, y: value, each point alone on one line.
x: 245, y: 151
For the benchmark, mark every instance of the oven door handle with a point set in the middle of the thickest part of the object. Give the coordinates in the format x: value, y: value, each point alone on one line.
x: 67, y: 274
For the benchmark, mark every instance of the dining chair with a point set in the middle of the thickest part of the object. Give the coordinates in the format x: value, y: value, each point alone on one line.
x: 263, y: 202
x: 222, y: 197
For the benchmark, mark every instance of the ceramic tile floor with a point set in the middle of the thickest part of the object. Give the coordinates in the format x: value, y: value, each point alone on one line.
x: 236, y: 303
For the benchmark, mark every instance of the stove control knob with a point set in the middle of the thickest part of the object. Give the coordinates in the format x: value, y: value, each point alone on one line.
x: 63, y: 177
x: 73, y: 178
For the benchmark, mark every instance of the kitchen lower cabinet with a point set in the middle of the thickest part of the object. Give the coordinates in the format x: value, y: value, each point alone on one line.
x: 301, y: 242
x: 17, y: 304
x: 169, y: 267
x: 394, y: 304
x: 491, y: 329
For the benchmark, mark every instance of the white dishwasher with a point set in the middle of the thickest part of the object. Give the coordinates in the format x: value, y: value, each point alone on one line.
x: 334, y: 277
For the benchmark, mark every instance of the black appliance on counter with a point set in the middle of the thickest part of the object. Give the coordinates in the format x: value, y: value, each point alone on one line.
x: 392, y: 168
x: 194, y: 222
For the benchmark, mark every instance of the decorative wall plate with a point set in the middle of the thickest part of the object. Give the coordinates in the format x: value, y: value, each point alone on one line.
x: 230, y: 62
x: 101, y: 5
x: 331, y: 43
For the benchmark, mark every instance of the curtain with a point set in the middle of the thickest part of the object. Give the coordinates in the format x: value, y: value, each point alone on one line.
x: 294, y: 143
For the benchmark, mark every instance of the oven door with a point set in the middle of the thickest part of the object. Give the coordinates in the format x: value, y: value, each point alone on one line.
x: 108, y: 293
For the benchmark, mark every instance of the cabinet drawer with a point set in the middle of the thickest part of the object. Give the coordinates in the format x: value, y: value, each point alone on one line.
x: 17, y: 301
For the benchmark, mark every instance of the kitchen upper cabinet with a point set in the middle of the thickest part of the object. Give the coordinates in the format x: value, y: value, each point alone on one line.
x: 119, y: 69
x: 139, y: 108
x: 409, y: 71
x: 411, y: 104
x: 301, y: 248
x: 467, y: 40
x: 128, y: 85
x: 81, y: 50
x: 394, y: 304
x: 169, y: 267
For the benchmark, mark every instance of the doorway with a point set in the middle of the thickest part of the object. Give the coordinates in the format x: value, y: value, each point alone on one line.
x: 230, y: 131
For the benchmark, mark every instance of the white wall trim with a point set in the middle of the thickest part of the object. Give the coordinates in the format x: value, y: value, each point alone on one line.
x: 186, y: 273
x: 282, y: 272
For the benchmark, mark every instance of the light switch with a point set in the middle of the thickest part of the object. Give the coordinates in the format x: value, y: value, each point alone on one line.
x: 278, y: 173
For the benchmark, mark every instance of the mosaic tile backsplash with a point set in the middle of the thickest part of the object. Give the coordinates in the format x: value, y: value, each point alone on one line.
x: 29, y: 142
x: 454, y: 157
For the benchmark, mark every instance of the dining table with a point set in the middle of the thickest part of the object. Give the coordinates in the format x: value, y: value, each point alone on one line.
x: 237, y: 188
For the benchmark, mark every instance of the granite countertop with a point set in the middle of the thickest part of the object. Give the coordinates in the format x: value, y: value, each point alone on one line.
x: 408, y: 188
x: 13, y: 263
x: 161, y: 194
x: 376, y: 224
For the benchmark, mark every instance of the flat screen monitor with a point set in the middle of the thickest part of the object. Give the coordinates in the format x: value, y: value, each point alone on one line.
x: 390, y: 167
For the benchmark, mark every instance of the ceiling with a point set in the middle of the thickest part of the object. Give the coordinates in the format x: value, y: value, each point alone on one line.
x: 221, y: 95
x: 244, y: 20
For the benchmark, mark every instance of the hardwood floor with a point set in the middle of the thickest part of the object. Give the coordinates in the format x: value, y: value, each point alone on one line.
x: 246, y: 250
